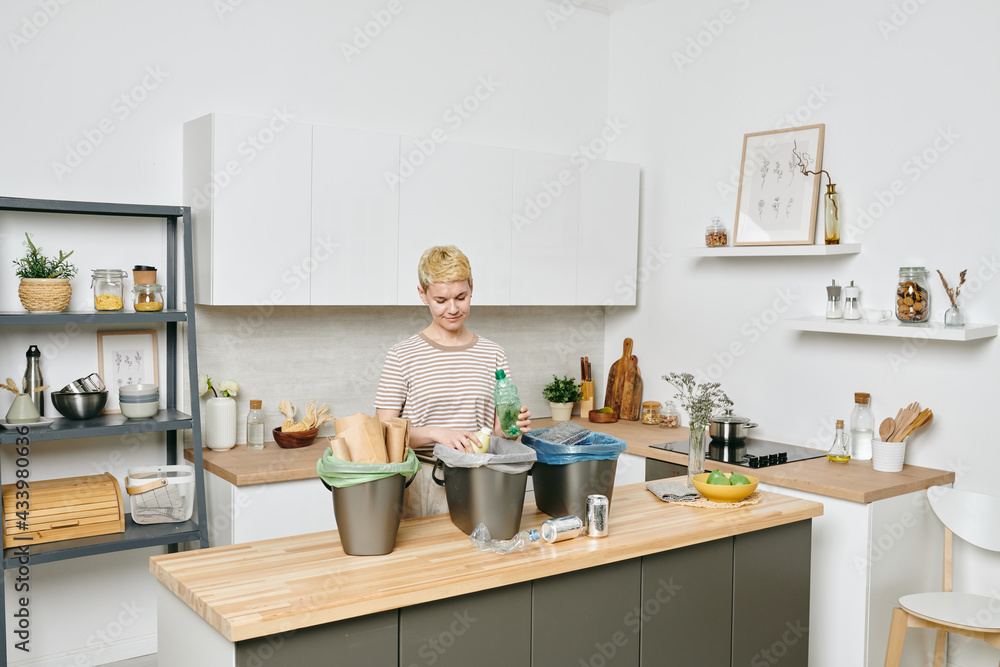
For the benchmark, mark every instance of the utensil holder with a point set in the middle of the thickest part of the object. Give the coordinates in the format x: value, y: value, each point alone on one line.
x: 888, y: 456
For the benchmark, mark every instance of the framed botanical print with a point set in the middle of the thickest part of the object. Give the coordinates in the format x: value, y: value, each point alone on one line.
x: 126, y: 357
x: 777, y: 203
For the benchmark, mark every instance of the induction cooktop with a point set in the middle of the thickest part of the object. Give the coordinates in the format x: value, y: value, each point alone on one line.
x: 753, y: 454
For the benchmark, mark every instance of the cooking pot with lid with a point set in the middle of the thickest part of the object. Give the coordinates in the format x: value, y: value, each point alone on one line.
x: 729, y: 429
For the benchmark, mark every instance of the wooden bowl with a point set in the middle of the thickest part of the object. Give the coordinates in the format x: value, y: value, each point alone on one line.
x: 724, y: 494
x: 599, y: 417
x: 294, y: 439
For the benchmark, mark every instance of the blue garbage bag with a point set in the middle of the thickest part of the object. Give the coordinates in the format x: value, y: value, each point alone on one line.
x: 593, y: 447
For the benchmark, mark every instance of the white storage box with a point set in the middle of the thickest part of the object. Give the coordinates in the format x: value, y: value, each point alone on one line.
x: 161, y: 494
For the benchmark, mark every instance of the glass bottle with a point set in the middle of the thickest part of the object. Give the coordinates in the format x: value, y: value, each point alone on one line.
x: 840, y: 451
x: 913, y: 300
x: 255, y: 426
x: 862, y: 427
x: 833, y: 310
x: 508, y: 403
x: 147, y: 297
x: 852, y: 309
x: 715, y: 234
x: 670, y: 417
x: 831, y: 215
x: 109, y: 287
x: 953, y: 317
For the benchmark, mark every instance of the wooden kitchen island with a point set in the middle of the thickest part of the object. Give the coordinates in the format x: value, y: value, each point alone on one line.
x: 670, y: 585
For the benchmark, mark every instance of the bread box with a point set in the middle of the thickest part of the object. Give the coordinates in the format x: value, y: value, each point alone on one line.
x: 62, y: 509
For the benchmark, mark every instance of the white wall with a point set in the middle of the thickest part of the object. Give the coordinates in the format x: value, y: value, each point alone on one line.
x: 884, y: 99
x: 177, y: 60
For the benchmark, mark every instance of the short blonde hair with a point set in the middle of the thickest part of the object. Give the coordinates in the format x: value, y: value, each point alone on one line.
x: 443, y: 264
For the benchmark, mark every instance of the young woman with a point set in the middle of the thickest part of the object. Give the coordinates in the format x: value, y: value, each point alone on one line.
x: 442, y: 378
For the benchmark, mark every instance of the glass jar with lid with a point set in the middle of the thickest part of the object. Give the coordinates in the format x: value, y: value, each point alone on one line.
x: 670, y: 417
x: 147, y: 297
x: 913, y: 300
x: 650, y: 412
x: 715, y: 234
x: 109, y: 288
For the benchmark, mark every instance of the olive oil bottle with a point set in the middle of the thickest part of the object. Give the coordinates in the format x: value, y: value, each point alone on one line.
x: 840, y: 452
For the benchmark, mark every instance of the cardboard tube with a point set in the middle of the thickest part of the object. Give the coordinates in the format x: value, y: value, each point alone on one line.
x: 339, y: 448
x: 395, y: 442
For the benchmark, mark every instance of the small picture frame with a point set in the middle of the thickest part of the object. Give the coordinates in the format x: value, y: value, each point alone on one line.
x: 777, y: 203
x: 126, y: 357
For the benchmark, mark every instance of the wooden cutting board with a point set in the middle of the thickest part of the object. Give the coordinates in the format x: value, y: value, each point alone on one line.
x: 631, y: 397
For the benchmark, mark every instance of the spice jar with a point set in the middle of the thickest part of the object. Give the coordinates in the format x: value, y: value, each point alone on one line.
x: 715, y: 234
x: 147, y: 297
x: 670, y: 417
x: 913, y: 303
x: 109, y: 288
x: 650, y: 412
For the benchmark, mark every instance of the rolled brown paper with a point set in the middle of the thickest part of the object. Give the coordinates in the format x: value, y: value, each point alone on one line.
x: 395, y: 442
x: 365, y: 442
x: 405, y: 423
x: 347, y: 423
x: 339, y: 448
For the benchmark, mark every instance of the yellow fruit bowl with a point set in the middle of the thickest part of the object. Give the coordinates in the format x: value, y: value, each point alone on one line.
x: 721, y: 493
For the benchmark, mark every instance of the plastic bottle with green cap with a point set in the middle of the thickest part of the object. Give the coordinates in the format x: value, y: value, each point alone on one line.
x: 508, y: 404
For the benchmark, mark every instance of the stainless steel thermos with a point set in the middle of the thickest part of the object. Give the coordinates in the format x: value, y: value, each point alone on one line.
x: 33, y: 379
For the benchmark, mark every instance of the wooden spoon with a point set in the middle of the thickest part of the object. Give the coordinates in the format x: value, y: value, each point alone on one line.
x: 886, y: 428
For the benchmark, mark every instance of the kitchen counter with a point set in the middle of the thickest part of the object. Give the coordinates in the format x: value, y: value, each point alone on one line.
x: 244, y: 467
x: 856, y: 481
x: 251, y: 590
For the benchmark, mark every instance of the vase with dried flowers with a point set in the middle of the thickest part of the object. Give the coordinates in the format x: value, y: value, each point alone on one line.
x: 700, y: 401
x: 831, y: 200
x: 953, y: 317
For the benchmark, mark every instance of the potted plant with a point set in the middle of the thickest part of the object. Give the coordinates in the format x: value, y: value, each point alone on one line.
x: 44, y: 280
x: 561, y: 394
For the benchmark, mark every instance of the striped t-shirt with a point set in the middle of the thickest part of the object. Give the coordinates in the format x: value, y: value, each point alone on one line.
x: 437, y: 385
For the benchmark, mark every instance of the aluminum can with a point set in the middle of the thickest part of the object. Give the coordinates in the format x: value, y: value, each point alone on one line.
x: 561, y: 528
x: 597, y: 515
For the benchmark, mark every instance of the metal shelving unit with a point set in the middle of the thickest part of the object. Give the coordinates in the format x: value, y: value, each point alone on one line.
x: 168, y: 420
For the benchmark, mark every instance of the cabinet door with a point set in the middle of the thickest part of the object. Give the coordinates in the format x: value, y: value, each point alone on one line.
x: 544, y: 230
x: 588, y: 617
x: 687, y: 606
x: 252, y: 228
x: 662, y: 469
x: 355, y: 211
x: 456, y: 194
x: 609, y: 234
x: 365, y: 640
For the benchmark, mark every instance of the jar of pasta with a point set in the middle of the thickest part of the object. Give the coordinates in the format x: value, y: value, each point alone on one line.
x: 109, y: 287
x: 147, y: 297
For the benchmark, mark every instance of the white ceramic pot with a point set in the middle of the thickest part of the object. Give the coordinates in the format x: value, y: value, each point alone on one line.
x: 888, y: 456
x: 220, y: 423
x: 561, y: 412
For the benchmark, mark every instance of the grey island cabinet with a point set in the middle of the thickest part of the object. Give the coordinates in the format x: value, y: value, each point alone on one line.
x: 670, y: 585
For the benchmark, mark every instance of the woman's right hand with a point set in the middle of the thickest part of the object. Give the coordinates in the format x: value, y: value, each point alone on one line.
x: 456, y: 439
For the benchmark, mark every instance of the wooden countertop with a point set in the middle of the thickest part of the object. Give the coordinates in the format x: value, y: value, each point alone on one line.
x: 259, y: 588
x: 242, y: 467
x: 855, y: 481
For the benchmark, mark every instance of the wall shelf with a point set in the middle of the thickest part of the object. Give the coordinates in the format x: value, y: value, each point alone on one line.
x: 774, y: 250
x: 891, y: 328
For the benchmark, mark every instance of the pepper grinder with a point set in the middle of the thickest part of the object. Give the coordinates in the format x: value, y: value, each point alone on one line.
x: 33, y: 379
x: 833, y: 311
x: 852, y: 310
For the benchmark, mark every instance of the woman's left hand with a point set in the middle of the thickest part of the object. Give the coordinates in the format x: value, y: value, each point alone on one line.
x: 524, y: 420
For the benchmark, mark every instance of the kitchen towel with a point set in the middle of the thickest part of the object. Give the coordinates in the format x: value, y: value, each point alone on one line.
x: 672, y: 491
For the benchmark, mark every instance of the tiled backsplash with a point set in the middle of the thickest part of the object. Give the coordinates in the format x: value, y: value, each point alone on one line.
x: 334, y: 354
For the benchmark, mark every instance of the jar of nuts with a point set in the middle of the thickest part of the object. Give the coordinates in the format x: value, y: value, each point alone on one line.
x: 670, y: 417
x: 715, y: 234
x: 913, y: 301
x: 650, y: 412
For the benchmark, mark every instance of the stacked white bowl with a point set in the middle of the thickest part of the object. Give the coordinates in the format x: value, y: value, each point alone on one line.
x: 139, y: 401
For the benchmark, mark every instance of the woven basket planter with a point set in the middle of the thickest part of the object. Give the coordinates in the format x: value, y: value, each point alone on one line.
x: 44, y: 293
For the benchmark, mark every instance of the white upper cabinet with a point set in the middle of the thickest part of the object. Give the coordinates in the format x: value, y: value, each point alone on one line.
x: 456, y: 194
x: 544, y: 230
x: 248, y: 183
x: 609, y: 234
x: 355, y: 214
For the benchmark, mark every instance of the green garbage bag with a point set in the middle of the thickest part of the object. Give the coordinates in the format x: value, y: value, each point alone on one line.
x: 339, y: 473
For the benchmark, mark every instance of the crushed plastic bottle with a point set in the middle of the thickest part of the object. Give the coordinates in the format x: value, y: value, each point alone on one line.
x: 480, y: 538
x: 508, y: 404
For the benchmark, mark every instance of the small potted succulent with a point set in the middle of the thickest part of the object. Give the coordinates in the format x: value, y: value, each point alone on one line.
x: 44, y: 280
x: 561, y: 394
